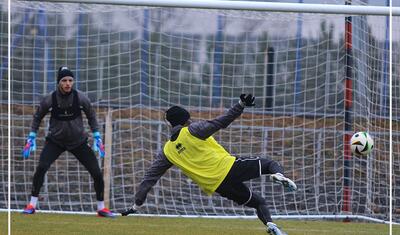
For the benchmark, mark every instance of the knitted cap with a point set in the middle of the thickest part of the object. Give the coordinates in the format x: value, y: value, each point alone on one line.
x: 63, y: 72
x: 177, y: 115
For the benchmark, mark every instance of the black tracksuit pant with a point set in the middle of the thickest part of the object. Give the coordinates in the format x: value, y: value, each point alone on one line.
x: 83, y: 153
x: 245, y: 169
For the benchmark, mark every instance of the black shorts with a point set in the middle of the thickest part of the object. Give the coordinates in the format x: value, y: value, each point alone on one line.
x: 244, y: 169
x: 232, y: 187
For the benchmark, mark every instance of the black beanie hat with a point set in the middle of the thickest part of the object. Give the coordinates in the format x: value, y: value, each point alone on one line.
x: 177, y: 115
x: 63, y: 72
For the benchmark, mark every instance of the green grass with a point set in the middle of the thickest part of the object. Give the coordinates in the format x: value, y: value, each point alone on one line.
x: 55, y: 224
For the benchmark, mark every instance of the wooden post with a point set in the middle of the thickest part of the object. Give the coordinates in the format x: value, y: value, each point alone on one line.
x: 108, y: 158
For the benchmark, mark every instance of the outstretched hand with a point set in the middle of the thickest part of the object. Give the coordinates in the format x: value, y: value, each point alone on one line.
x: 247, y: 100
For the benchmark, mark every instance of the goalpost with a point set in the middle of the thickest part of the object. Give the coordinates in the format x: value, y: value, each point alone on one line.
x: 134, y: 59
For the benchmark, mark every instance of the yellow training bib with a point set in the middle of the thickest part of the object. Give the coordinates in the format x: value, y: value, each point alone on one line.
x: 204, y: 161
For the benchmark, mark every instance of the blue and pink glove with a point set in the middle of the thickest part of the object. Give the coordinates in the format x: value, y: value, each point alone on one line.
x: 30, y: 145
x: 98, y: 145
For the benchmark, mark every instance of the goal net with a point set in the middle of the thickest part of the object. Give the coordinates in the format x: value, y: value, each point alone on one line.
x: 135, y: 62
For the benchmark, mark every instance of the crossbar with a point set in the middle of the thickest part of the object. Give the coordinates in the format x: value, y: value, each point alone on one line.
x: 249, y: 6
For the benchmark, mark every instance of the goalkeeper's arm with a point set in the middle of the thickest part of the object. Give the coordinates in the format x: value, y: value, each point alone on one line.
x: 206, y: 128
x: 157, y: 169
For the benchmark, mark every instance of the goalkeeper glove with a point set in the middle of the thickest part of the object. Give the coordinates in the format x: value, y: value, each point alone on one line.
x: 131, y: 210
x: 30, y: 145
x: 247, y: 100
x: 98, y: 145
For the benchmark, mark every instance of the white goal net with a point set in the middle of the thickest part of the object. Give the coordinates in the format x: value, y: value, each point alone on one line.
x: 135, y: 62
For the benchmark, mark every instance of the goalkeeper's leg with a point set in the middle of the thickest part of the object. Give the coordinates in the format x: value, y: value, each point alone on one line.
x: 87, y: 157
x: 245, y: 169
x: 241, y: 194
x: 49, y: 154
x: 258, y: 203
x: 269, y: 166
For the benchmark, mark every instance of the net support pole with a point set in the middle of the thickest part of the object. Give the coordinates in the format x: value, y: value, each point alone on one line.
x: 38, y: 54
x: 269, y: 96
x: 49, y: 65
x: 15, y: 39
x: 144, y: 60
x: 385, y: 72
x: 218, y: 60
x: 348, y: 98
x: 297, y: 76
x: 108, y: 158
x: 78, y: 42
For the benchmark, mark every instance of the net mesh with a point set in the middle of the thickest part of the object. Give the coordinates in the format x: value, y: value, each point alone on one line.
x: 135, y: 62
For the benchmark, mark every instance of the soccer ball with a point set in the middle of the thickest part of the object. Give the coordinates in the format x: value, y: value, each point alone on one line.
x: 361, y: 143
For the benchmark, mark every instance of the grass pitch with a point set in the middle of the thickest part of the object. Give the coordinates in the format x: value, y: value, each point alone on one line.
x: 57, y: 224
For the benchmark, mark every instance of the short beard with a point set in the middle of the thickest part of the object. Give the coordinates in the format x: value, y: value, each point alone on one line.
x: 62, y: 91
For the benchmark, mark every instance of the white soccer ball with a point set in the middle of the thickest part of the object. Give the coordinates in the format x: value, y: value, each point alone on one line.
x: 361, y: 143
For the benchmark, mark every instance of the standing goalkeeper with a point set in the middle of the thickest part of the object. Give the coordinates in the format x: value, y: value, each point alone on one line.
x: 192, y: 148
x: 66, y: 133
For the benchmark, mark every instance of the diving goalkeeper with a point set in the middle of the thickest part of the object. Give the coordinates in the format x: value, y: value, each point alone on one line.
x: 192, y: 148
x: 66, y: 133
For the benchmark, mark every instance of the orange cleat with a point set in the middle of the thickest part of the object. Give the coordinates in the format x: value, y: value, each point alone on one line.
x: 29, y: 209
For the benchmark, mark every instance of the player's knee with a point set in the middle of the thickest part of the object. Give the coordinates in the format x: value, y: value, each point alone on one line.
x: 97, y: 176
x: 271, y: 167
x: 255, y: 201
x: 42, y: 168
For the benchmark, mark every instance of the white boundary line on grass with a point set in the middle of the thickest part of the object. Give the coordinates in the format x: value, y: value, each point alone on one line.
x: 287, y: 217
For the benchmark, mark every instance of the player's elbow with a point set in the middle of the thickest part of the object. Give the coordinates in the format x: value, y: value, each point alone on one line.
x: 221, y: 124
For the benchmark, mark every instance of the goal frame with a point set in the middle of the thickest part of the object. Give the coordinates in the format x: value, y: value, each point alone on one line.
x: 256, y: 6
